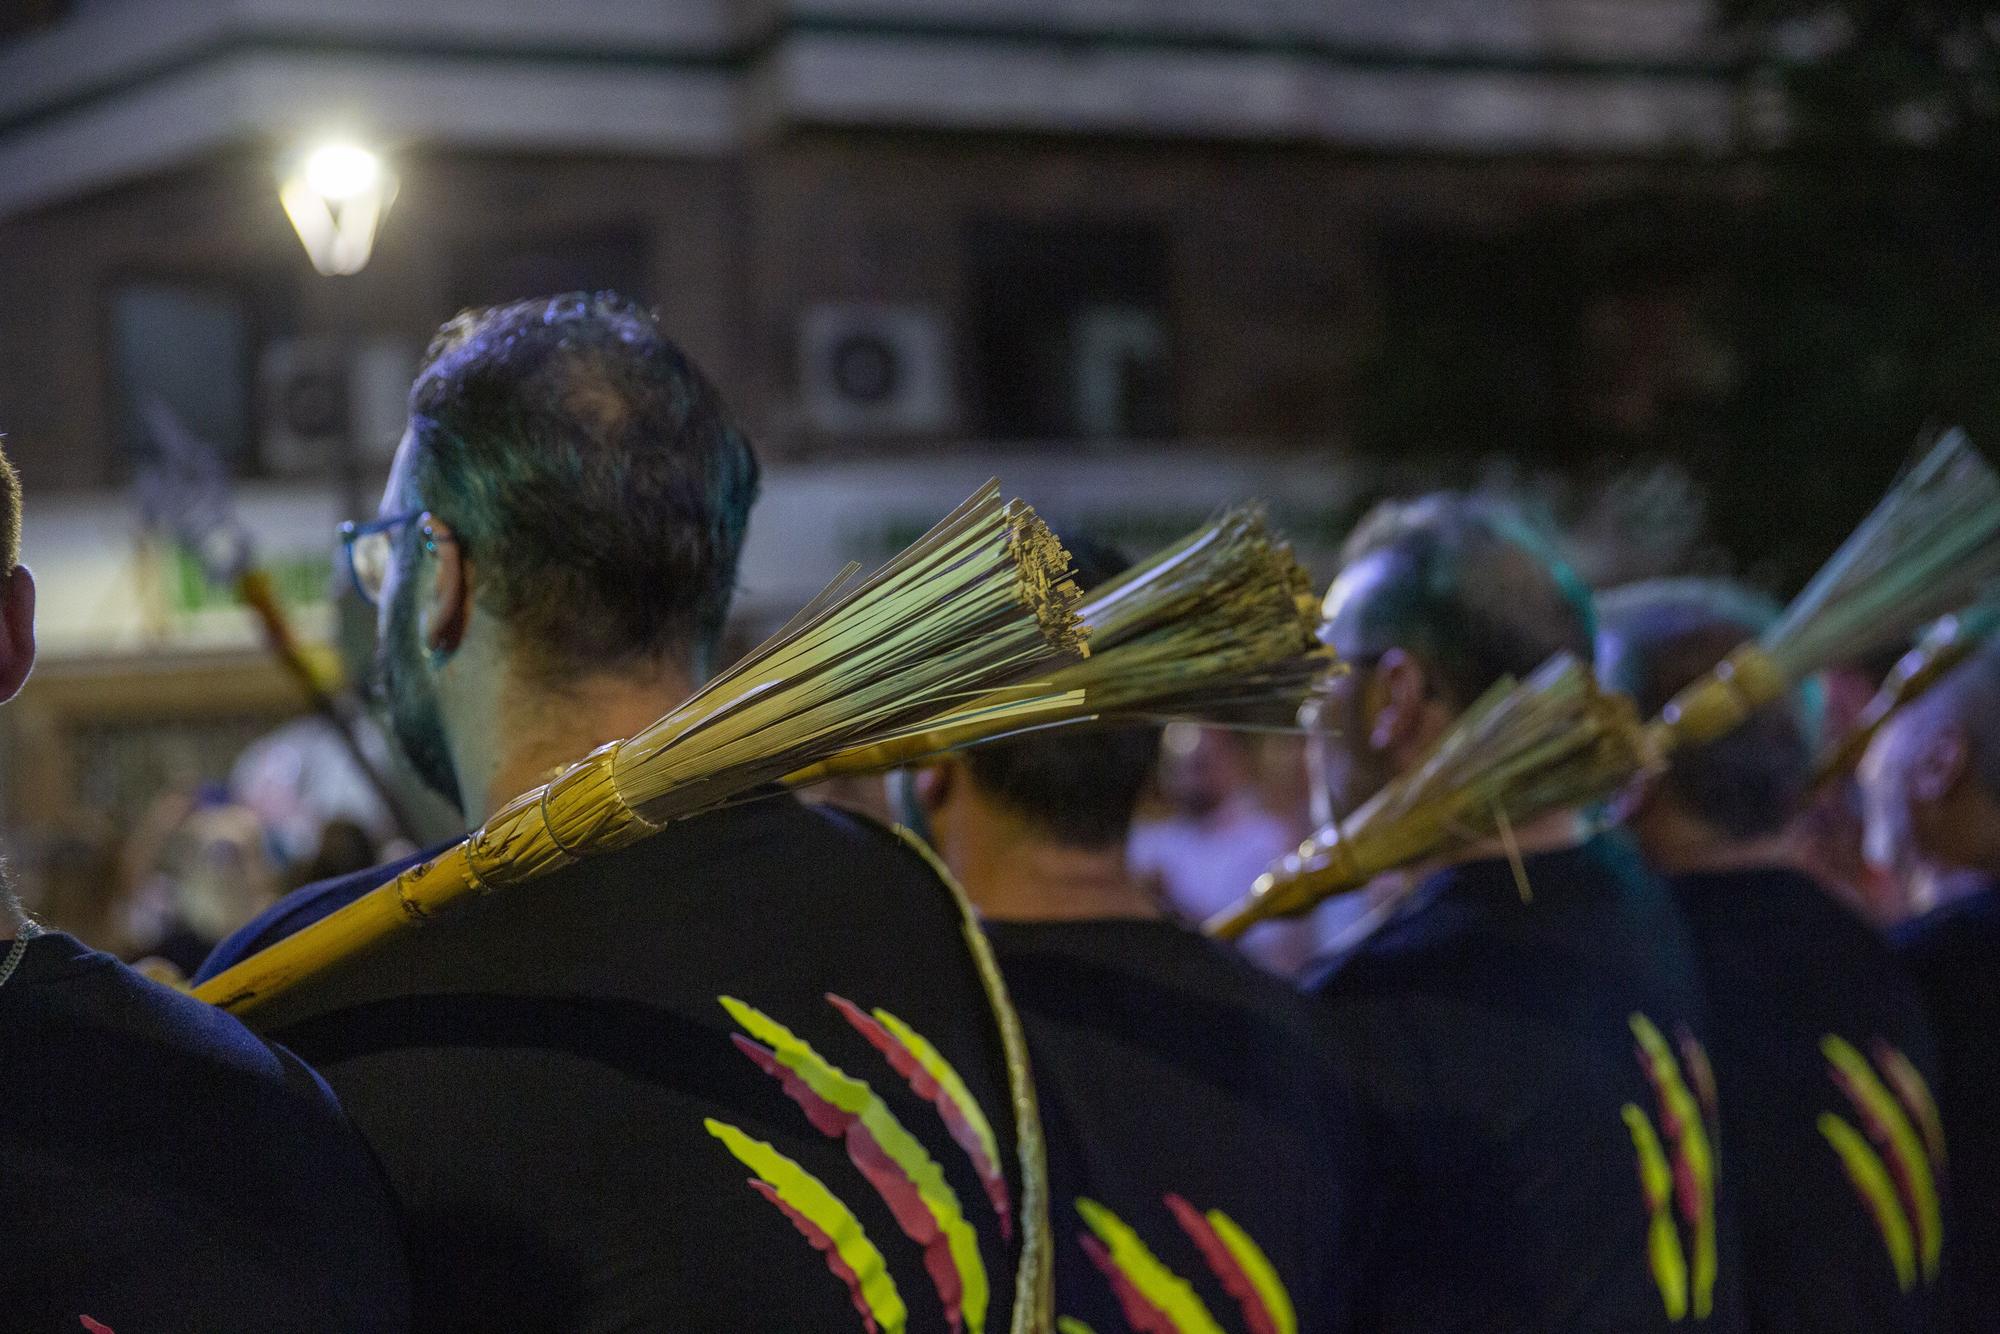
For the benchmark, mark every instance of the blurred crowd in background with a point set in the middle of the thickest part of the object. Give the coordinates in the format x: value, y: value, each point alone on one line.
x: 231, y: 831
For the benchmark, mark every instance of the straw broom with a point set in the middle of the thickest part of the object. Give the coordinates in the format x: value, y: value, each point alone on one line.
x: 1944, y: 646
x: 1523, y: 749
x: 1929, y: 547
x: 981, y: 600
x: 1221, y: 624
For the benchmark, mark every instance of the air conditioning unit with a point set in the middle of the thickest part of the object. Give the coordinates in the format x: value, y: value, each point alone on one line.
x: 314, y: 392
x: 865, y: 369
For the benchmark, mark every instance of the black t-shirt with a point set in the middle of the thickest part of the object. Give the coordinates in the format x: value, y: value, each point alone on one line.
x: 1191, y: 1136
x: 163, y: 1170
x: 1823, y: 1061
x: 1533, y: 1108
x: 584, y: 1134
x: 1953, y: 955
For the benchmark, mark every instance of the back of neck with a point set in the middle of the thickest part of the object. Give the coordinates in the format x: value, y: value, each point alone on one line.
x: 1034, y: 880
x: 543, y: 727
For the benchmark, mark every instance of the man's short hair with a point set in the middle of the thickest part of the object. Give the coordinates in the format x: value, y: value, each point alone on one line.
x: 590, y: 470
x: 1078, y: 786
x: 1657, y: 637
x: 1469, y: 586
x: 10, y: 513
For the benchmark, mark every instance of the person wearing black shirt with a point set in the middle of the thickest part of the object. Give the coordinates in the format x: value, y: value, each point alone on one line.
x: 1931, y: 789
x: 161, y: 1169
x: 741, y: 1075
x: 1192, y: 1156
x: 1823, y: 1058
x: 1527, y: 1056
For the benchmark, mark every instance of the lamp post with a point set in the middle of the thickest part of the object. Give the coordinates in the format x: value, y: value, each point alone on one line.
x: 336, y: 194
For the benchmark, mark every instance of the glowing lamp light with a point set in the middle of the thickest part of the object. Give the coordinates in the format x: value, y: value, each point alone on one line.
x: 336, y: 196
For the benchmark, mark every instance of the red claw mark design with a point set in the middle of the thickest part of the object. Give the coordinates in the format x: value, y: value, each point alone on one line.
x: 896, y: 1189
x: 1695, y: 1059
x: 963, y: 1123
x: 1141, y: 1315
x: 822, y: 1243
x: 1235, y: 1282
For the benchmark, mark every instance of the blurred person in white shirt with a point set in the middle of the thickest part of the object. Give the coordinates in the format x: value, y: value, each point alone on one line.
x: 1216, y: 837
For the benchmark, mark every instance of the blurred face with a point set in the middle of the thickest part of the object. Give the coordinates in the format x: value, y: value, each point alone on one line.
x: 404, y: 670
x: 1345, y: 769
x: 1199, y: 769
x: 1892, y: 839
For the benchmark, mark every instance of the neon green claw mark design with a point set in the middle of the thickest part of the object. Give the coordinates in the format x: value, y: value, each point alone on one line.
x: 937, y: 1067
x: 1257, y: 1266
x: 1663, y: 1239
x: 1165, y: 1290
x: 857, y: 1260
x: 1069, y: 1325
x: 854, y: 1097
x: 1909, y: 1084
x: 1871, y: 1178
x: 1695, y: 1177
x: 1889, y: 1126
x: 937, y: 1081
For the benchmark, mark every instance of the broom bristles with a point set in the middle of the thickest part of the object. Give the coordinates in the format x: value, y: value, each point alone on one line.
x: 1522, y: 750
x: 979, y: 602
x: 1928, y: 548
x: 1222, y: 621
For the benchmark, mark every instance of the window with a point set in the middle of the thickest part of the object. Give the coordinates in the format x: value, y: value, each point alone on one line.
x: 1069, y: 335
x: 188, y: 347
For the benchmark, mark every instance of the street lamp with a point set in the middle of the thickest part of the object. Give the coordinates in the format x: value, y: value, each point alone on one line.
x: 336, y: 195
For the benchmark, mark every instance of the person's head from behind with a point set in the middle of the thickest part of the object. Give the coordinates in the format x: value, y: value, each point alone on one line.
x: 1071, y: 791
x: 567, y: 506
x: 1437, y: 599
x: 1728, y: 800
x: 1930, y: 782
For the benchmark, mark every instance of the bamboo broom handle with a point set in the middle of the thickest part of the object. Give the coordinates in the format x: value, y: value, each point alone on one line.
x: 1721, y: 701
x: 1323, y: 870
x: 1914, y: 673
x: 408, y: 900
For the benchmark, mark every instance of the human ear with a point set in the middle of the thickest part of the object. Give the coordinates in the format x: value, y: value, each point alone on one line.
x: 446, y: 606
x: 1939, y: 766
x: 1396, y: 693
x: 17, y: 631
x: 934, y: 785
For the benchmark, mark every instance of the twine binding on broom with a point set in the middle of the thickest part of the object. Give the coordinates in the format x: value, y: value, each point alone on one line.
x: 1928, y: 548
